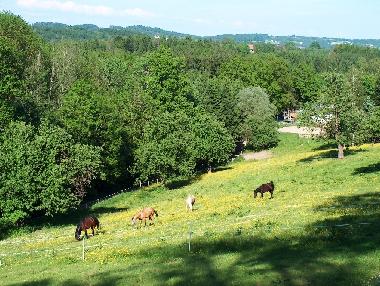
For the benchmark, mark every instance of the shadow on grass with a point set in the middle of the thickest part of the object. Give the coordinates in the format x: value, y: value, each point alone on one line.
x: 220, y: 169
x: 334, y: 254
x: 183, y: 182
x: 180, y: 183
x: 312, y: 259
x: 60, y: 220
x: 326, y: 253
x: 101, y: 279
x: 42, y: 282
x: 373, y: 168
x: 326, y: 146
x: 332, y: 154
x: 74, y: 217
x: 368, y: 203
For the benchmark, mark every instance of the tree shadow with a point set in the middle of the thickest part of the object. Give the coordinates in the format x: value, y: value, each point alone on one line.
x: 220, y: 169
x: 330, y: 154
x: 181, y: 182
x: 99, y: 279
x: 373, y: 168
x: 357, y: 205
x: 326, y: 146
x: 329, y: 251
x: 59, y: 220
x: 74, y: 217
x: 257, y: 261
x: 326, y: 251
x: 42, y: 282
x: 106, y: 210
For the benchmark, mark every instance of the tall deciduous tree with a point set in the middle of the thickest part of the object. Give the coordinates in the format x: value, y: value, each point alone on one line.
x: 337, y: 111
x: 258, y: 126
x: 176, y: 136
x: 24, y: 69
x: 95, y: 119
x: 218, y: 96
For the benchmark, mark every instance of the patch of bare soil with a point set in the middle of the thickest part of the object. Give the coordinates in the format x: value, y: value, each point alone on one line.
x: 301, y: 131
x: 257, y: 155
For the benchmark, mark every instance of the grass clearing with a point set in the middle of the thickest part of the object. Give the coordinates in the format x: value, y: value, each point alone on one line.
x: 320, y: 228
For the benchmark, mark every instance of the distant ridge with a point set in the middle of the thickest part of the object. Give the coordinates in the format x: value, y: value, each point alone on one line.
x: 51, y: 31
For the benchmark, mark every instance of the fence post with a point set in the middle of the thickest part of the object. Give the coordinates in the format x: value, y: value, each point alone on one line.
x: 190, y: 233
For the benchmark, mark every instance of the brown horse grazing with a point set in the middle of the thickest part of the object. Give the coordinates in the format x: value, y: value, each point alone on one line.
x: 86, y: 223
x: 143, y: 215
x: 268, y: 187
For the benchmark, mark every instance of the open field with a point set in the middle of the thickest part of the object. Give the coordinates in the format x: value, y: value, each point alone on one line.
x: 321, y: 228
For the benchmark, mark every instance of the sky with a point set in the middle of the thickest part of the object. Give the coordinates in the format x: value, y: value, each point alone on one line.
x: 322, y: 18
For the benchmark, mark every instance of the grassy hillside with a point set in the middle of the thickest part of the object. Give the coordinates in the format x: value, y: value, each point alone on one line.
x: 321, y: 228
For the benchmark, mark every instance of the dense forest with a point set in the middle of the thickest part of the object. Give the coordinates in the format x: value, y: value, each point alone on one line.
x: 82, y: 116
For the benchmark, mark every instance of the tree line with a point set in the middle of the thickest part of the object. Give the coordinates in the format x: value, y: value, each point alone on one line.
x: 79, y: 116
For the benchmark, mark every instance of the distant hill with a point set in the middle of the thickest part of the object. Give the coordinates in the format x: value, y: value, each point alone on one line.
x: 299, y: 41
x: 57, y: 31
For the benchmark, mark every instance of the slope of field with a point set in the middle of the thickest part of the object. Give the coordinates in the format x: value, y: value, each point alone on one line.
x: 321, y: 228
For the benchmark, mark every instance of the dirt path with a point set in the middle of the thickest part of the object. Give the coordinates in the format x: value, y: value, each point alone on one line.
x: 301, y: 131
x: 258, y: 155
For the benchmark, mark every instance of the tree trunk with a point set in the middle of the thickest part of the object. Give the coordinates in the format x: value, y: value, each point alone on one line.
x: 340, y: 151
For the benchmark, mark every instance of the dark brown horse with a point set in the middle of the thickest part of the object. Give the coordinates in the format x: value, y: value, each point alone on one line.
x: 86, y: 223
x: 146, y: 213
x: 268, y: 187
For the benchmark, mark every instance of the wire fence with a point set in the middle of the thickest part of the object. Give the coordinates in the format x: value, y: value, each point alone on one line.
x: 46, y: 238
x: 174, y: 236
x: 183, y: 237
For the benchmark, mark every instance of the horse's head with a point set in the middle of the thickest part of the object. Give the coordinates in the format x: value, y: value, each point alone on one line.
x: 255, y: 193
x: 78, y: 231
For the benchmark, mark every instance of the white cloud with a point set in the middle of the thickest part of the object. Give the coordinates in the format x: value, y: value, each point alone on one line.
x: 137, y: 12
x: 238, y: 23
x: 71, y: 6
x: 200, y: 21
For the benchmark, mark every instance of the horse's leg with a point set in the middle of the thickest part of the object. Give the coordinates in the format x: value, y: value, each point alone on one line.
x: 85, y: 232
x: 271, y: 195
x: 262, y: 194
x: 93, y: 232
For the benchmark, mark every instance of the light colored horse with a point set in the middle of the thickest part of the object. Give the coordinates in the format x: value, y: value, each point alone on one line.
x: 190, y: 202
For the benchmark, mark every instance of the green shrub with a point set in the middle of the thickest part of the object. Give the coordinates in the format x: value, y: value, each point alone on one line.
x: 42, y: 170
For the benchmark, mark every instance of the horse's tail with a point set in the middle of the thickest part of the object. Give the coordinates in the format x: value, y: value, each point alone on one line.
x: 78, y: 231
x: 96, y: 221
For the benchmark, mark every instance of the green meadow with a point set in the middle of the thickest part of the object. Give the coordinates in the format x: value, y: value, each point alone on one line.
x: 321, y: 228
